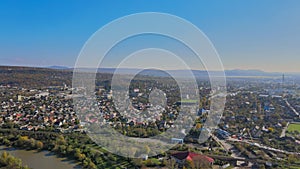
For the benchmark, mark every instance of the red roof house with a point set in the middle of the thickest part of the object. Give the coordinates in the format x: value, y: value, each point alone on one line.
x: 181, y: 157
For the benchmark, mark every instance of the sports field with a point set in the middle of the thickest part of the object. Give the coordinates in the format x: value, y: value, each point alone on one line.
x: 294, y: 127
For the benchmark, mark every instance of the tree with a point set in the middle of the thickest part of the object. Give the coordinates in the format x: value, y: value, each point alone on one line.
x: 91, y: 165
x: 6, y: 142
x: 271, y: 129
x: 171, y: 163
x: 200, y: 162
x: 60, y: 140
x: 39, y: 145
x: 147, y: 149
x: 8, y: 161
x: 198, y: 125
x: 79, y: 155
x: 292, y: 158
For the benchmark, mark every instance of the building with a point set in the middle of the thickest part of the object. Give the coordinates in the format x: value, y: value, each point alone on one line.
x: 176, y: 141
x: 182, y: 157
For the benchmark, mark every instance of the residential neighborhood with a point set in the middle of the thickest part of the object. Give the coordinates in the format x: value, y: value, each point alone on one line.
x: 255, y: 130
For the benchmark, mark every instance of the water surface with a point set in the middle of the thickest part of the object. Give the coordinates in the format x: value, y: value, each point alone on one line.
x: 40, y: 160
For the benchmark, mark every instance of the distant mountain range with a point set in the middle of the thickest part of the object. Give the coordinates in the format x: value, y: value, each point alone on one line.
x: 153, y: 72
x: 238, y: 72
x: 57, y: 67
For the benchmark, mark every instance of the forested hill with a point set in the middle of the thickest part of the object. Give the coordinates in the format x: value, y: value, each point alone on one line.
x: 33, y: 77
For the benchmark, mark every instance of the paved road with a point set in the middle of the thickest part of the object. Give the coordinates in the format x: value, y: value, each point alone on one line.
x: 228, y: 147
x: 291, y: 107
x: 263, y: 146
x: 284, y: 130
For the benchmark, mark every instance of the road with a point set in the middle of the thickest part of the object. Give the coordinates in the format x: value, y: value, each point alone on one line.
x: 291, y: 107
x: 284, y: 130
x: 263, y: 146
x: 227, y: 147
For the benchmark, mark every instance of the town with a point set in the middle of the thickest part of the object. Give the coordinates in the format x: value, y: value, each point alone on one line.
x: 259, y: 127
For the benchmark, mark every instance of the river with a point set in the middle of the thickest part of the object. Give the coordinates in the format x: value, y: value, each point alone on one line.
x: 41, y: 160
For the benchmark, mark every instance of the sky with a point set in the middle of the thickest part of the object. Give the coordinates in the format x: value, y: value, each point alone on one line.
x: 249, y: 34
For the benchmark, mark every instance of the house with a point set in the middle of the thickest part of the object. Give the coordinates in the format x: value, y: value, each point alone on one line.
x: 144, y: 156
x: 202, y: 111
x: 176, y: 141
x: 222, y: 134
x: 182, y: 157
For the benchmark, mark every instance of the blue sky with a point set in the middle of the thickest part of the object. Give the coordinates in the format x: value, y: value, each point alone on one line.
x: 249, y: 34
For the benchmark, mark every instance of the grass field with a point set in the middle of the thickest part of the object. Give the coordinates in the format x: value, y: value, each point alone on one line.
x: 189, y: 101
x: 294, y: 127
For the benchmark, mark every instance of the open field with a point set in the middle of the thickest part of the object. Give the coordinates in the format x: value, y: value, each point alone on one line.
x: 188, y: 101
x: 294, y: 127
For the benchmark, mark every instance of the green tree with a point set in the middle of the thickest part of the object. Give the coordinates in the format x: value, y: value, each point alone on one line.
x: 39, y: 145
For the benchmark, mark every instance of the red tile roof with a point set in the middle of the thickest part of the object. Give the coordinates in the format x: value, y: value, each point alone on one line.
x: 190, y: 155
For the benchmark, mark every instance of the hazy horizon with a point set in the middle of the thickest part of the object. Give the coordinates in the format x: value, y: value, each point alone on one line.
x: 67, y: 67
